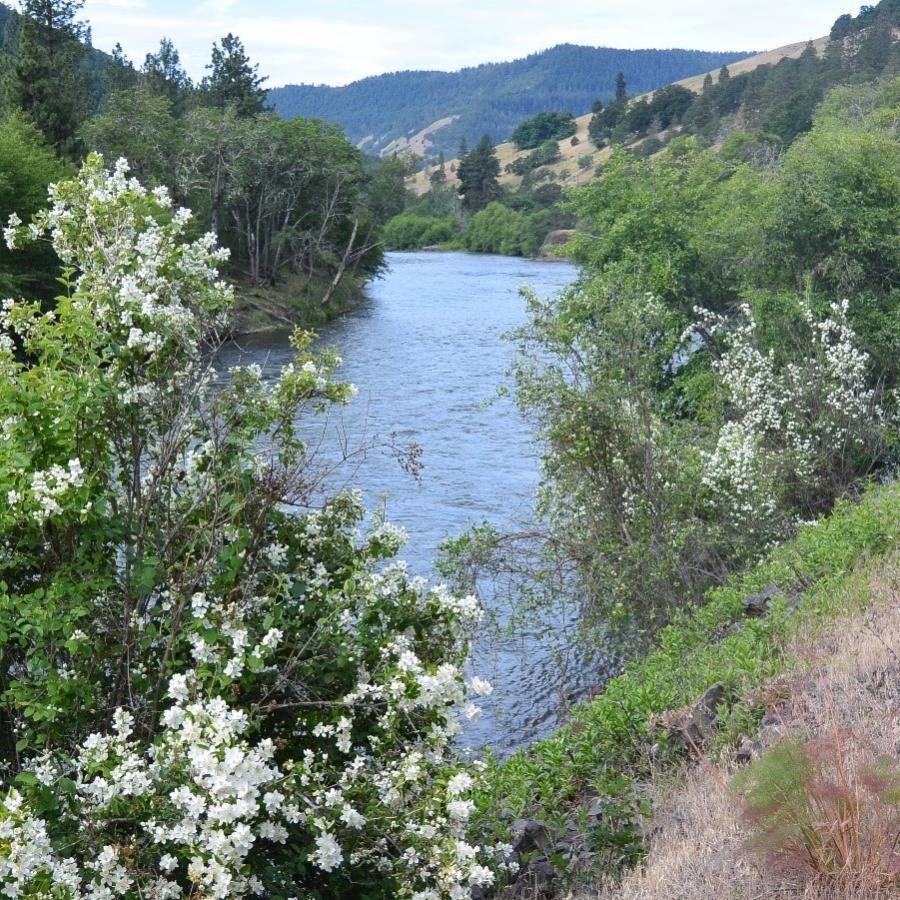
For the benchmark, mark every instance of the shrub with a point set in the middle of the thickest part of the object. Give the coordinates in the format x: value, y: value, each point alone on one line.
x: 825, y: 809
x: 410, y: 231
x: 499, y: 229
x: 206, y: 691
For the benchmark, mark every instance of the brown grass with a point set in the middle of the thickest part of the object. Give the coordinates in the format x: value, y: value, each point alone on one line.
x: 845, y: 677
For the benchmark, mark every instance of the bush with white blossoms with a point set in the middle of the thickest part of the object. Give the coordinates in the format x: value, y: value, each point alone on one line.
x: 211, y: 686
x: 801, y: 425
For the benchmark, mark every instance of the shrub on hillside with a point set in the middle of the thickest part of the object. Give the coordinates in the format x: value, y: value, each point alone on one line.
x: 545, y: 126
x: 825, y: 810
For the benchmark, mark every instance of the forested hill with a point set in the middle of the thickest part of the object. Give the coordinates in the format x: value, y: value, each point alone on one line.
x: 381, y: 111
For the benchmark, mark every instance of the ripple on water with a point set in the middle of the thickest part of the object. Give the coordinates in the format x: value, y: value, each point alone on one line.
x: 425, y: 349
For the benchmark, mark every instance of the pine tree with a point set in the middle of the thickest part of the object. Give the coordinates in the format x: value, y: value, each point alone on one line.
x: 233, y: 80
x: 478, y: 172
x: 621, y: 88
x: 724, y: 75
x: 120, y: 74
x: 707, y: 83
x: 45, y: 78
x: 165, y: 76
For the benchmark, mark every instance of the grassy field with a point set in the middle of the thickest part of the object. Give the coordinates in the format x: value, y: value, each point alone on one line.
x: 567, y: 171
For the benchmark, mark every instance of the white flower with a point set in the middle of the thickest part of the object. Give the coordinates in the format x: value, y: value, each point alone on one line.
x: 328, y: 854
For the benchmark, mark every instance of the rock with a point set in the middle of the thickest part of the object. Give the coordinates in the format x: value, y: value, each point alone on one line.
x: 691, y: 726
x: 747, y: 750
x: 535, y: 882
x: 757, y: 605
x: 529, y: 835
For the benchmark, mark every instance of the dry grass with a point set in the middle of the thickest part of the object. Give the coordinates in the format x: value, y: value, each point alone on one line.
x: 846, y: 676
x: 567, y: 170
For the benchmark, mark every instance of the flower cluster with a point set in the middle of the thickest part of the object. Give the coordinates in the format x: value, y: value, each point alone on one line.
x: 791, y: 422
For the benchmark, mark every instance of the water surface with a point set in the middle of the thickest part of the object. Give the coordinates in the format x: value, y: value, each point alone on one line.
x: 426, y: 351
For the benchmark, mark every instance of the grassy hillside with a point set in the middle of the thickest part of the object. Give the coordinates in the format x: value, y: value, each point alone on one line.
x: 580, y: 159
x: 431, y: 111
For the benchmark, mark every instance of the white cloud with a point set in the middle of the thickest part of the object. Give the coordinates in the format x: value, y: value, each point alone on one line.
x: 336, y: 43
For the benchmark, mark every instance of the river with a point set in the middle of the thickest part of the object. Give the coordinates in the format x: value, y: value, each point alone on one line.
x: 426, y: 350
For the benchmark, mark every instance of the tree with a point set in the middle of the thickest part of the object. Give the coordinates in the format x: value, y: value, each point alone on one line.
x: 165, y: 76
x: 478, y: 172
x: 139, y: 125
x: 707, y: 83
x: 27, y: 166
x: 724, y: 75
x: 621, y: 95
x: 45, y: 78
x: 233, y: 80
x: 544, y: 126
x: 438, y: 178
x: 119, y: 74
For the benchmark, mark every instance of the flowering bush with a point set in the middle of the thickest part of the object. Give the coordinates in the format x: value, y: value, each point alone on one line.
x: 801, y: 425
x: 210, y: 686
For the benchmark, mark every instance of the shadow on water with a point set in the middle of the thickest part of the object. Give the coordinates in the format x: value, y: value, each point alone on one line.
x: 426, y: 351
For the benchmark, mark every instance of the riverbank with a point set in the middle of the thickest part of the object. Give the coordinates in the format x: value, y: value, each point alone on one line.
x: 585, y: 797
x: 295, y: 302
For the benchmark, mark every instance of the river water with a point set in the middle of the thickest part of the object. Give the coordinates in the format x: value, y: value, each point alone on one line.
x: 426, y: 351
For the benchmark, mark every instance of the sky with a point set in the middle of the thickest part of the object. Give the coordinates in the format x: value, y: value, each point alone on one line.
x: 338, y: 41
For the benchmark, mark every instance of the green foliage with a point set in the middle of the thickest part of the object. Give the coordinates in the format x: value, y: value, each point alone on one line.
x: 165, y: 76
x: 608, y: 737
x: 477, y: 172
x: 232, y: 80
x: 499, y: 229
x: 45, y: 77
x: 546, y: 154
x: 27, y: 167
x: 410, y: 231
x: 547, y: 126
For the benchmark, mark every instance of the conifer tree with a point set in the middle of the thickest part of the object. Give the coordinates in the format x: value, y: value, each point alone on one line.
x: 707, y: 83
x: 478, y: 172
x: 165, y: 76
x: 724, y: 75
x: 621, y: 88
x: 45, y: 77
x: 233, y: 80
x: 120, y: 74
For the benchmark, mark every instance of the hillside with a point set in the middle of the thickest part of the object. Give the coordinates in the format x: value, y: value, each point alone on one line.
x: 430, y: 112
x: 580, y: 159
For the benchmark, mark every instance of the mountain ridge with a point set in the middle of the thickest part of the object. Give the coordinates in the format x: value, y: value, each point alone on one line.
x: 379, y: 113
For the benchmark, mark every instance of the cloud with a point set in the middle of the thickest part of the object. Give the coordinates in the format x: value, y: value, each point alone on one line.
x: 327, y: 42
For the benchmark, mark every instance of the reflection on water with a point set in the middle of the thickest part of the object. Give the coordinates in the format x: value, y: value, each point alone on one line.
x: 426, y: 352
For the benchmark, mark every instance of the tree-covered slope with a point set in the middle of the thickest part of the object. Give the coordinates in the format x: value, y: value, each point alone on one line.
x: 488, y: 99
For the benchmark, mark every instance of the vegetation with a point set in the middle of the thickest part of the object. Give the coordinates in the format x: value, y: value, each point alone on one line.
x: 294, y: 201
x: 775, y: 100
x: 724, y: 369
x: 489, y: 99
x: 185, y: 709
x: 604, y: 751
x: 477, y: 172
x: 548, y: 126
